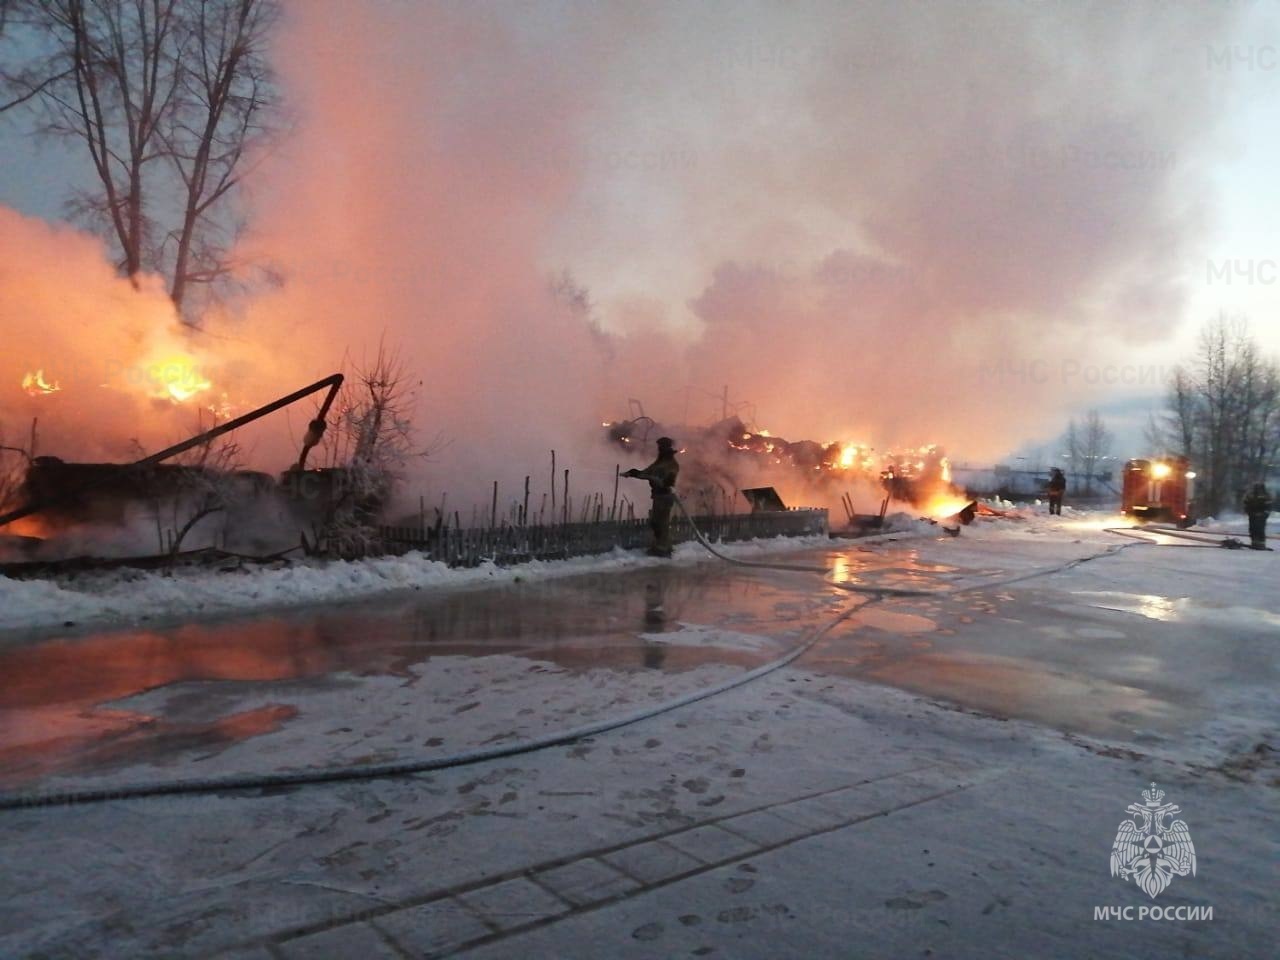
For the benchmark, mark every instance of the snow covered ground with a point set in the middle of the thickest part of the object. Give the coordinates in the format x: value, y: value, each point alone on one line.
x: 937, y: 776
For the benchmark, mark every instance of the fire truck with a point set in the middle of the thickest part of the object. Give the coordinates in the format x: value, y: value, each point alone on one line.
x: 1159, y: 490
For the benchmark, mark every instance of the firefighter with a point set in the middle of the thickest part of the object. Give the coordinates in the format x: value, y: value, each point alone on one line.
x: 1057, y: 487
x: 661, y: 475
x: 1257, y: 504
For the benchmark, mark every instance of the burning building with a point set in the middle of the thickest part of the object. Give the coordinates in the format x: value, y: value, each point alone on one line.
x: 730, y: 455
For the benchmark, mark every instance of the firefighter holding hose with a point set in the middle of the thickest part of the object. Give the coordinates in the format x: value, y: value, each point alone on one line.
x: 1257, y: 505
x: 661, y: 475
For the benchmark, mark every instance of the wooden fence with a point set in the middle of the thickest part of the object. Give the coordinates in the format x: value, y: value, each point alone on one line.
x: 508, y: 544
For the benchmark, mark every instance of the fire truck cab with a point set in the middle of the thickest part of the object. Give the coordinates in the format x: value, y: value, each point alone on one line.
x: 1159, y: 490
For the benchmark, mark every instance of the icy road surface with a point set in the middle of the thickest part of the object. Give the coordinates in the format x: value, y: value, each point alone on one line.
x: 938, y: 776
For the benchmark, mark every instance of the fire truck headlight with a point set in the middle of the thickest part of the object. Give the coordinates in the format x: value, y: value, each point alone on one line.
x: 1160, y: 470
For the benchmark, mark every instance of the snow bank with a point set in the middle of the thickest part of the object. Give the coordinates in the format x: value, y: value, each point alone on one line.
x: 131, y: 595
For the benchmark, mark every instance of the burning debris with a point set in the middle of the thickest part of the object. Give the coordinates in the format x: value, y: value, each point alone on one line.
x: 361, y: 432
x: 205, y: 479
x: 722, y: 454
x: 35, y: 385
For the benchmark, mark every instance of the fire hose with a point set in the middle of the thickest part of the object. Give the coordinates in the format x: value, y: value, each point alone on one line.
x: 1205, y: 531
x: 798, y: 567
x: 1197, y: 538
x: 242, y: 782
x: 880, y: 593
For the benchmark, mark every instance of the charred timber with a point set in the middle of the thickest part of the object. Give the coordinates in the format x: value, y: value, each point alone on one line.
x: 316, y: 430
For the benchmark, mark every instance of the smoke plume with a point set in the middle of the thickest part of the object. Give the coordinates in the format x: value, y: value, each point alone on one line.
x: 895, y: 223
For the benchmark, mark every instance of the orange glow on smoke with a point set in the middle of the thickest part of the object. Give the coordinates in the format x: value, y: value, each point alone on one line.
x: 37, y: 386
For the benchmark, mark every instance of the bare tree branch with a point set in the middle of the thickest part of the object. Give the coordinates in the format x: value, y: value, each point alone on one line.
x: 167, y: 98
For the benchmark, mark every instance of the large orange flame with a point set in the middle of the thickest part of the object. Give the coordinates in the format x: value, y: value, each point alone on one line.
x: 943, y: 505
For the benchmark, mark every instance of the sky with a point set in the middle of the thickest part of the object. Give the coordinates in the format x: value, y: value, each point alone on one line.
x: 898, y: 222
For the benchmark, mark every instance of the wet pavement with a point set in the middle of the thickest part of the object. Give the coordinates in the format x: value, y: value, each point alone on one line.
x: 807, y: 813
x: 71, y: 703
x: 437, y: 671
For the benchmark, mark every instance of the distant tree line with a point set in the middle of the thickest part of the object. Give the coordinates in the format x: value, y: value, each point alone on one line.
x: 165, y: 98
x: 1086, y: 444
x: 1223, y: 413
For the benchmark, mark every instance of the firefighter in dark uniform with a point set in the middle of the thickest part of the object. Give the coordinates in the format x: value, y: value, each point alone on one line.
x: 1057, y: 487
x: 1257, y: 504
x: 661, y: 475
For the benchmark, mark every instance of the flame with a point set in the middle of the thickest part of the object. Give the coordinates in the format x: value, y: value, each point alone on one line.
x: 37, y: 386
x: 943, y: 505
x: 33, y: 526
x: 842, y: 456
x: 176, y: 378
x: 918, y: 475
x: 221, y: 408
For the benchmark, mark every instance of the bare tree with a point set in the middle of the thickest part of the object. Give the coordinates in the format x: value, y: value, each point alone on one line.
x: 1155, y: 434
x: 1183, y: 413
x: 166, y: 96
x: 14, y: 461
x: 1071, y: 447
x: 198, y: 484
x: 209, y: 487
x: 371, y: 444
x: 1256, y: 414
x: 1223, y: 412
x: 1095, y: 446
x: 1216, y: 402
x: 227, y: 90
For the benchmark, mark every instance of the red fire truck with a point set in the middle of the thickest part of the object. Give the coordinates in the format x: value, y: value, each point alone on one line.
x: 1159, y: 490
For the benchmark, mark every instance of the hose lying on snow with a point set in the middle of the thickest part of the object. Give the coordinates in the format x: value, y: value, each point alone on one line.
x: 884, y: 592
x: 800, y: 567
x: 241, y: 782
x: 1195, y: 538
